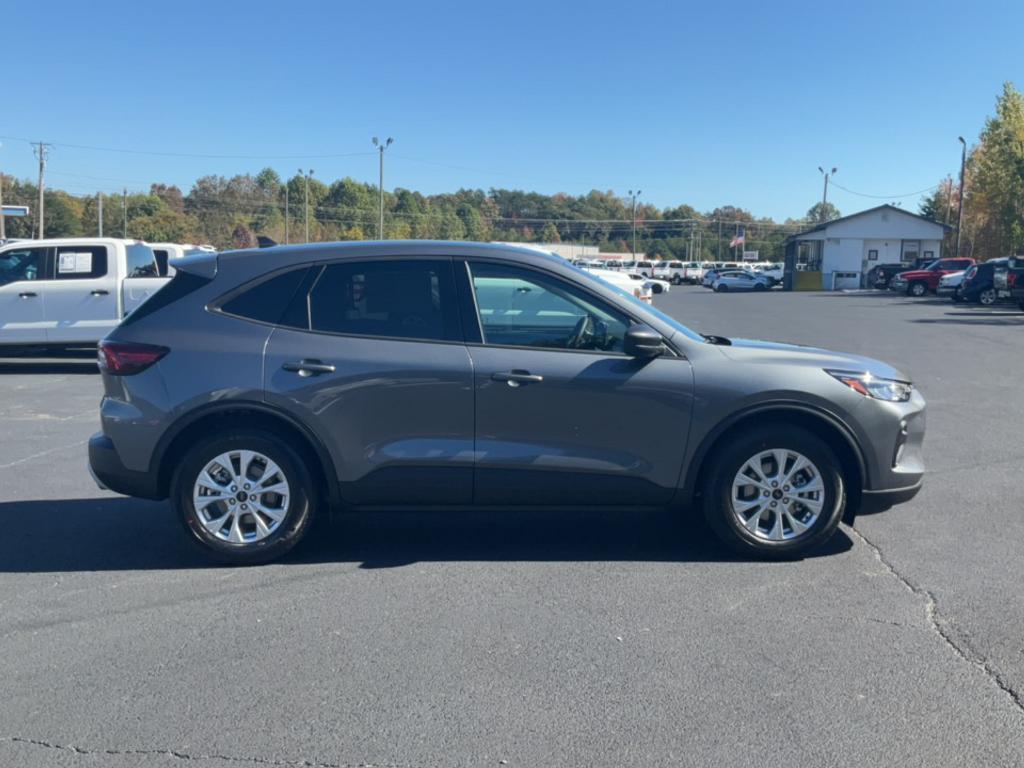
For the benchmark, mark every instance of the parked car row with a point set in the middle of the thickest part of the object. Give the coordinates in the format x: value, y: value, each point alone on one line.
x: 680, y: 272
x: 959, y: 279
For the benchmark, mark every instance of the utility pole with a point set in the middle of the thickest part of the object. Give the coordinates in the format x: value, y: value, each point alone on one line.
x: 305, y: 203
x: 960, y: 212
x: 124, y: 210
x: 381, y: 146
x: 286, y: 213
x: 718, y: 248
x: 824, y: 195
x: 634, y: 195
x: 99, y: 219
x: 42, y: 151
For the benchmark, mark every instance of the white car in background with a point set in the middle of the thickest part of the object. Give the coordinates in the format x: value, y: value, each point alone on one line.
x: 656, y: 285
x: 740, y: 280
x: 772, y: 271
x: 949, y: 285
x: 626, y: 282
x: 673, y: 271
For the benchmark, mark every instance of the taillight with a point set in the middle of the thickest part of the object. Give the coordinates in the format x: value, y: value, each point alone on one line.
x: 1011, y: 279
x: 122, y: 358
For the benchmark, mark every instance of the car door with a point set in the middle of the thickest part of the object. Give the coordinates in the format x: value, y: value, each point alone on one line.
x: 563, y: 416
x: 81, y: 299
x: 373, y: 361
x: 22, y: 277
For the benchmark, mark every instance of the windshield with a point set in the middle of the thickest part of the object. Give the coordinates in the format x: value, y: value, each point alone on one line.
x: 670, y: 321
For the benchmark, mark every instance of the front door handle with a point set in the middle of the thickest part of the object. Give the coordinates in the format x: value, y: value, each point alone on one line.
x: 100, y: 292
x: 307, y: 368
x: 517, y: 378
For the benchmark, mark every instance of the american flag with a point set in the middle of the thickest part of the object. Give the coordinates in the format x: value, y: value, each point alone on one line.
x: 741, y: 237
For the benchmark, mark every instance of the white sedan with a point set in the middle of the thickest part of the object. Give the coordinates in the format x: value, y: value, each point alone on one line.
x: 740, y: 281
x: 625, y: 282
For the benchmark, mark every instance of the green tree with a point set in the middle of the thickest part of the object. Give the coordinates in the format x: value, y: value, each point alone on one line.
x: 997, y: 174
x: 822, y: 212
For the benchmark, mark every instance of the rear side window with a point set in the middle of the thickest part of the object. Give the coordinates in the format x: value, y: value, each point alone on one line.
x: 411, y: 299
x: 80, y: 262
x: 141, y: 261
x: 180, y: 286
x: 266, y: 300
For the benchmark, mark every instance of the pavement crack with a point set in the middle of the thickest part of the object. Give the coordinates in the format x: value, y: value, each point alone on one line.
x: 177, y: 755
x: 960, y: 648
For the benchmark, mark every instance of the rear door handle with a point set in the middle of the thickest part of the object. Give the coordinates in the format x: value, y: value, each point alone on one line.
x: 100, y: 292
x: 27, y: 295
x: 517, y: 378
x: 308, y: 367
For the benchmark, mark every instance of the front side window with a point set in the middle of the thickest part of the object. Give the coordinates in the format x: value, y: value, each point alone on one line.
x: 80, y: 262
x: 522, y: 308
x: 21, y: 264
x: 411, y: 299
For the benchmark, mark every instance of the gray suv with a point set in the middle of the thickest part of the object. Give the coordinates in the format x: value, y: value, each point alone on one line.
x: 262, y: 387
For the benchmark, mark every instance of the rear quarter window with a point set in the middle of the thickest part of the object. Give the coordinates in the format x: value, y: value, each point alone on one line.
x: 266, y: 300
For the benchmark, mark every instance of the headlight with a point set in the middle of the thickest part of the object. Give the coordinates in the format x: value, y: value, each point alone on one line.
x: 889, y: 390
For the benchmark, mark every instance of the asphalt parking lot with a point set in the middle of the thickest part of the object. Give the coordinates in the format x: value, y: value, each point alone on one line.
x: 426, y: 640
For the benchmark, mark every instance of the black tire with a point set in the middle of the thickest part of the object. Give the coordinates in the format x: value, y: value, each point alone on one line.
x: 917, y: 289
x: 656, y: 288
x: 760, y: 287
x: 988, y: 297
x: 727, y: 462
x: 721, y: 288
x: 300, y: 507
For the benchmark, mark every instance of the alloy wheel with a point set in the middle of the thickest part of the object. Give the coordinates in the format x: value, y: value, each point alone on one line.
x: 777, y: 495
x: 241, y: 497
x: 987, y: 296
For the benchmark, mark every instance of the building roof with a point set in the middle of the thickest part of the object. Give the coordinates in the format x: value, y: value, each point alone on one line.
x: 886, y: 206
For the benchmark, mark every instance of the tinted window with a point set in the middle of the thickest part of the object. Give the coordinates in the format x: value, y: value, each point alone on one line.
x: 161, y: 257
x: 181, y: 285
x: 80, y: 262
x: 141, y: 261
x: 267, y: 300
x: 398, y: 299
x: 522, y: 308
x: 21, y: 264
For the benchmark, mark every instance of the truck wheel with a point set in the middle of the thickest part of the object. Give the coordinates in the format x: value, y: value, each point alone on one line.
x: 776, y: 492
x: 917, y: 289
x: 245, y: 496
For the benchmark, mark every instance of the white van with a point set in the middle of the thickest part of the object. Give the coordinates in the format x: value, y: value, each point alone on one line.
x: 71, y: 291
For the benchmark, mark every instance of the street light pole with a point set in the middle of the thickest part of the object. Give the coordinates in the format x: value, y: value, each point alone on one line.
x: 960, y: 212
x: 381, y: 146
x: 634, y: 195
x: 3, y: 231
x: 824, y: 195
x: 306, y: 175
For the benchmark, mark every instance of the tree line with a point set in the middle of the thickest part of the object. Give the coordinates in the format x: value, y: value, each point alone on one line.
x: 232, y: 212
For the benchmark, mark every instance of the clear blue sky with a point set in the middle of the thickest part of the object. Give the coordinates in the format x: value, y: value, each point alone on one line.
x: 706, y: 103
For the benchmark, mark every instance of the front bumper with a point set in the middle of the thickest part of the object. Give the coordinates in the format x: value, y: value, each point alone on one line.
x: 946, y: 290
x: 879, y: 501
x: 110, y: 473
x: 897, y: 285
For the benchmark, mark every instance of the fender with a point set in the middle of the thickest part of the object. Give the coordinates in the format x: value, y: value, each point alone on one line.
x: 688, y: 489
x: 193, y: 416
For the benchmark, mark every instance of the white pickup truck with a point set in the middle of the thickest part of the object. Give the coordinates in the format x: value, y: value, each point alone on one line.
x: 71, y: 291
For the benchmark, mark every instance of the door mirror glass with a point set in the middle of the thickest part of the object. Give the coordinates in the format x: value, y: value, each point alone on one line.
x: 643, y: 341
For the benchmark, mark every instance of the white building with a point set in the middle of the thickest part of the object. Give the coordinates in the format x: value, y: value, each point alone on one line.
x: 839, y: 253
x: 565, y: 250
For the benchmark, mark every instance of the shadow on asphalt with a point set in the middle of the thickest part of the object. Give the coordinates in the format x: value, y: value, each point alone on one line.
x: 107, y: 534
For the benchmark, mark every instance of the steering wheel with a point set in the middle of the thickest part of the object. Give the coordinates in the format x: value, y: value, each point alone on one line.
x: 582, y: 334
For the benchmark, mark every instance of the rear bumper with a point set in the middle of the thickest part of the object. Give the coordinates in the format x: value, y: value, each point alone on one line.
x: 109, y: 471
x: 878, y: 501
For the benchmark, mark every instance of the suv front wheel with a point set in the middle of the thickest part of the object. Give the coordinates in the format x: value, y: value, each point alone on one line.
x: 244, y: 497
x: 775, y: 493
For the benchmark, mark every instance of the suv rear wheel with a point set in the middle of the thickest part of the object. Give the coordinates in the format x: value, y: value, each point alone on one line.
x: 244, y: 497
x: 987, y: 297
x: 775, y: 493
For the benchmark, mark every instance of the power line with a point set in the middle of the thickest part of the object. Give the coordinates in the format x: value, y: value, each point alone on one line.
x: 888, y: 197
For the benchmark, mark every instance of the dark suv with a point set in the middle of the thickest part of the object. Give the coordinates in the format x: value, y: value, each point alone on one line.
x: 260, y: 387
x: 979, y: 283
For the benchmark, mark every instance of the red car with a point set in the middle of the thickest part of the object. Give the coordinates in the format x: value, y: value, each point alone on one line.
x: 918, y: 282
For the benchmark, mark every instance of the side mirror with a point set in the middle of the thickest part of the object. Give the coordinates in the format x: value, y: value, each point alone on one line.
x: 643, y: 341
